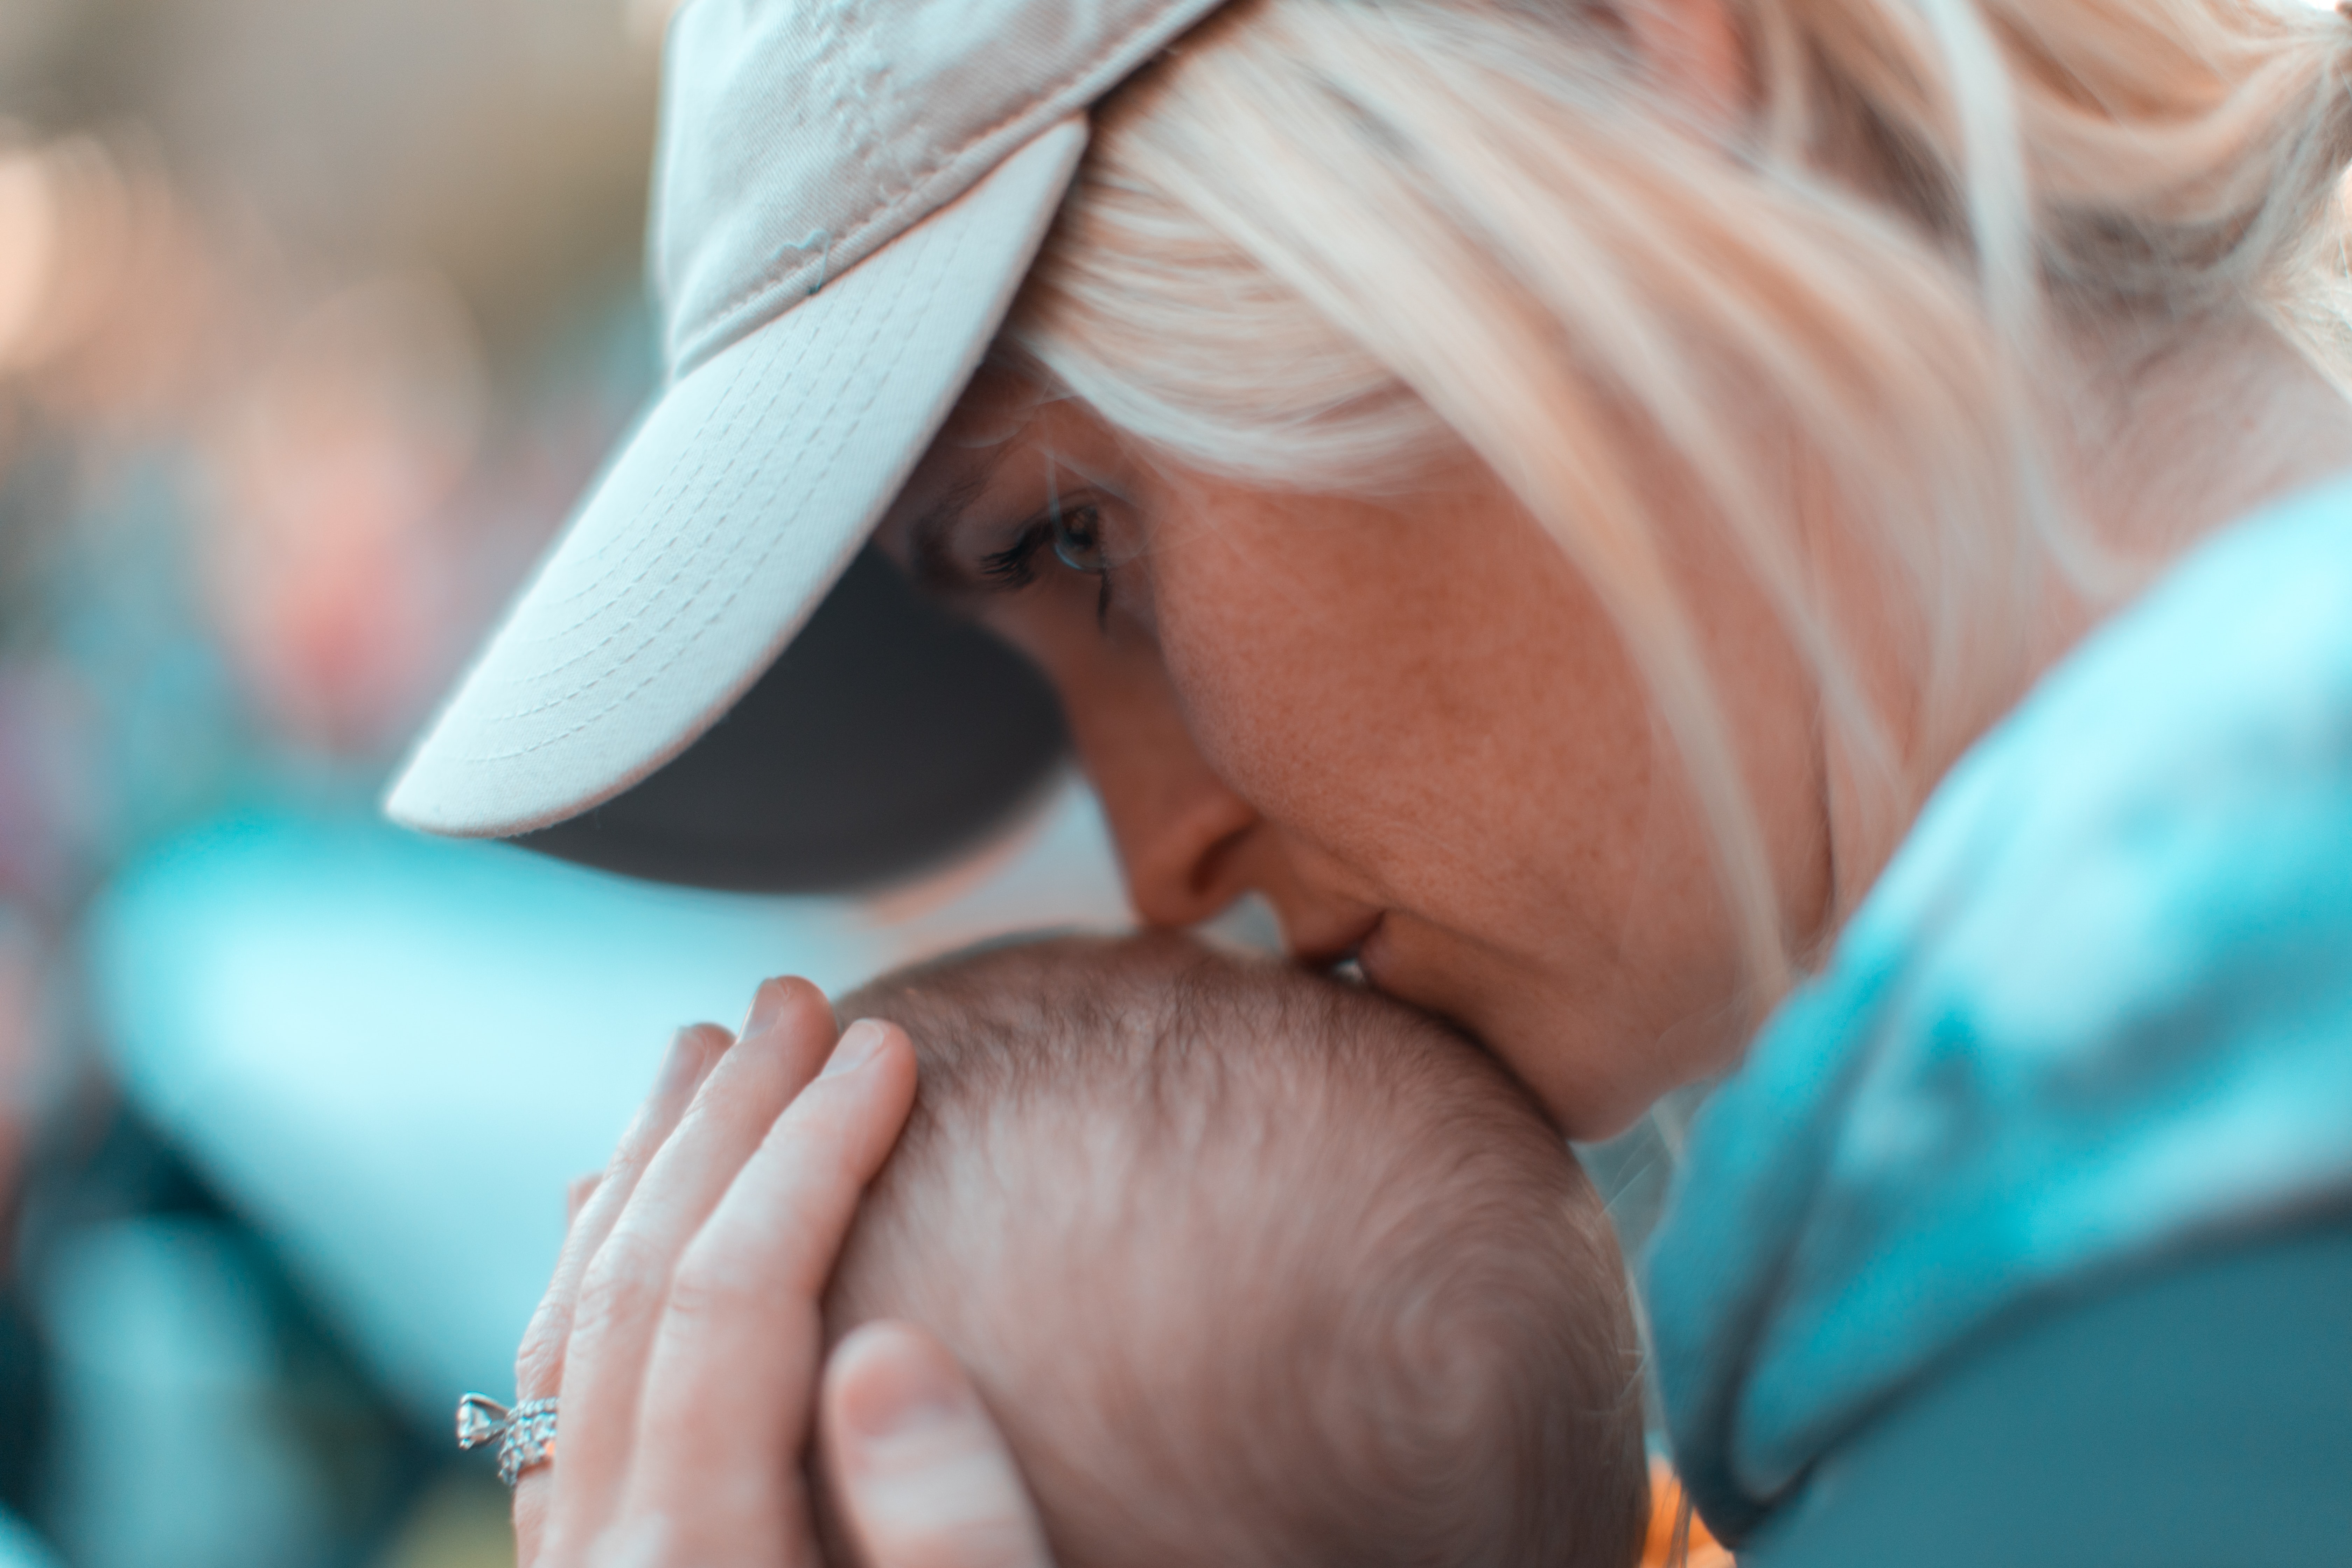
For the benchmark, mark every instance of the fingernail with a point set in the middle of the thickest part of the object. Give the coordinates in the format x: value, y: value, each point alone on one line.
x: 766, y: 1002
x: 859, y: 1043
x: 679, y: 1062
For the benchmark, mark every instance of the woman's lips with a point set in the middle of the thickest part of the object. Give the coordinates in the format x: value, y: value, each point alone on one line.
x: 1331, y: 947
x: 1378, y: 963
x: 1371, y: 954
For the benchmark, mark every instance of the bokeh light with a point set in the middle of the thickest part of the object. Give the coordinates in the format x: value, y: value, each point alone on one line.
x: 315, y: 317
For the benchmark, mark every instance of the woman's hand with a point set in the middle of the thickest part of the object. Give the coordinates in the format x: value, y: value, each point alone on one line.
x: 682, y: 1330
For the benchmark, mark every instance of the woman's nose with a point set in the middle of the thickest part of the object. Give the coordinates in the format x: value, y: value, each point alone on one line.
x: 1183, y: 835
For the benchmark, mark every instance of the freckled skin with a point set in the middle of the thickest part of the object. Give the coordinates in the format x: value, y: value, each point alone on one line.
x: 1408, y: 725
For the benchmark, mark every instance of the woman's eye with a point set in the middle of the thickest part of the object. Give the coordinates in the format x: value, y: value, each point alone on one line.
x: 1077, y: 540
x: 1074, y: 536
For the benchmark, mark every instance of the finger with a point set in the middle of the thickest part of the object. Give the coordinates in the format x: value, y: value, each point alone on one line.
x: 918, y: 1469
x: 538, y: 1364
x: 734, y: 1369
x: 627, y: 1283
x: 576, y: 1193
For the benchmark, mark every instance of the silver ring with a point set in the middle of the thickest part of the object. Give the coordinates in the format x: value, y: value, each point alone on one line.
x: 525, y: 1435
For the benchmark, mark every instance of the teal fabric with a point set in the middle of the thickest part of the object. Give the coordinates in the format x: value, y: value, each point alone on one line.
x: 2195, y: 1417
x: 2097, y: 1013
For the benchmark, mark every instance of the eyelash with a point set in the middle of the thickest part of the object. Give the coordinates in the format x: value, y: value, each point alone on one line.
x: 1014, y: 566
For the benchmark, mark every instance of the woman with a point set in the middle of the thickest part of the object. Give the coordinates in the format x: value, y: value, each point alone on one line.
x: 1546, y: 495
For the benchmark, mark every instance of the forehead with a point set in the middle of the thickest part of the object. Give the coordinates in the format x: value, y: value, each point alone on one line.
x: 1005, y: 443
x: 994, y: 419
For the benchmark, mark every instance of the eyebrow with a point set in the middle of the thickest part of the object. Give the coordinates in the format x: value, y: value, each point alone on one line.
x: 931, y: 561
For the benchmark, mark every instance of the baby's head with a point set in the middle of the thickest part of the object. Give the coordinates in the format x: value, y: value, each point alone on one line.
x: 1252, y: 1266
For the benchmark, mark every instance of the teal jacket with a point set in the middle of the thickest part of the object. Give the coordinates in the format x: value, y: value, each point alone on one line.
x: 2097, y: 1015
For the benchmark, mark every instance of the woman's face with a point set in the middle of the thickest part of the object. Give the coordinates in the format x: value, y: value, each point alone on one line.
x: 1408, y: 725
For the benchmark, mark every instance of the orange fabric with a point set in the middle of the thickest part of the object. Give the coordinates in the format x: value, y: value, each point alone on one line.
x: 1666, y: 1502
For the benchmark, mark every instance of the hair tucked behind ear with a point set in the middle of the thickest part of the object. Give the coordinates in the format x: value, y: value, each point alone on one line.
x: 1325, y: 243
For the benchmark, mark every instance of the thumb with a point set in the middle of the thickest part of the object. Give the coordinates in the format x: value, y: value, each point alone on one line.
x: 920, y: 1474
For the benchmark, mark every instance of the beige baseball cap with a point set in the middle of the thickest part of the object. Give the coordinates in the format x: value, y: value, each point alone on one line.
x: 847, y: 194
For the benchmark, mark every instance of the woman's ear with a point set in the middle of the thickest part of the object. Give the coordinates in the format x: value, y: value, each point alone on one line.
x: 1699, y: 54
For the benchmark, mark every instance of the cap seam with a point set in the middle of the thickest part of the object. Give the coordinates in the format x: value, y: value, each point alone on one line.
x: 1052, y: 105
x: 873, y: 66
x: 700, y: 355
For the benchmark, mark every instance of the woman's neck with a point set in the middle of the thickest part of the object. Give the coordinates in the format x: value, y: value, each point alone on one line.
x: 2172, y: 439
x: 2162, y: 443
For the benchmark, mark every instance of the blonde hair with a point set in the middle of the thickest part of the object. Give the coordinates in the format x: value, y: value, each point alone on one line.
x: 1324, y: 243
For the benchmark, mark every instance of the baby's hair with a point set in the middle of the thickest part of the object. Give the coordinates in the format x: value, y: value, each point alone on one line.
x: 1297, y: 1276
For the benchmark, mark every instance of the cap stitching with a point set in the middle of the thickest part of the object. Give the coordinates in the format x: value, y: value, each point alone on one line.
x: 588, y: 583
x: 787, y: 382
x: 682, y: 560
x: 654, y: 530
x: 680, y: 482
x: 680, y: 648
x: 678, y: 651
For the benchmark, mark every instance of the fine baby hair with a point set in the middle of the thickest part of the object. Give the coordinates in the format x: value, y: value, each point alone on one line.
x: 1252, y: 1266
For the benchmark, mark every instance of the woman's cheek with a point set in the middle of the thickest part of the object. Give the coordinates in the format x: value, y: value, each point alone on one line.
x: 1303, y: 685
x: 1296, y: 766
x: 1250, y: 708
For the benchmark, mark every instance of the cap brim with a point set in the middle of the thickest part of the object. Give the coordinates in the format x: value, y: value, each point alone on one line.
x: 737, y: 502
x: 888, y: 737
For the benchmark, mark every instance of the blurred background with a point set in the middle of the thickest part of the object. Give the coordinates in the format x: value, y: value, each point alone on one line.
x: 315, y: 316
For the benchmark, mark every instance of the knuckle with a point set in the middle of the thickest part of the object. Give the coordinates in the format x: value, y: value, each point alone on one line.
x: 634, y: 1152
x: 620, y: 1286
x: 539, y: 1360
x: 708, y: 1287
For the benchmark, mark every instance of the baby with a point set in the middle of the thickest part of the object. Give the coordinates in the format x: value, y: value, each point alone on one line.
x: 1252, y: 1266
